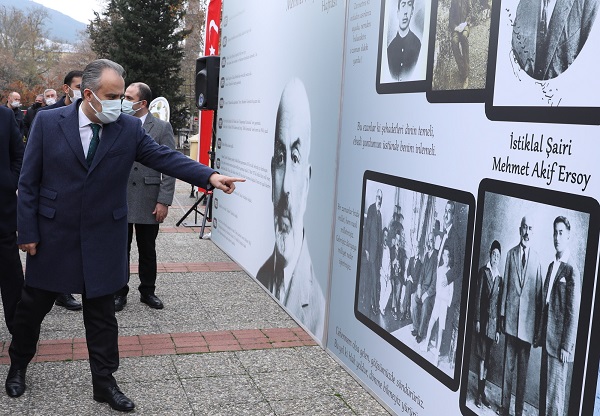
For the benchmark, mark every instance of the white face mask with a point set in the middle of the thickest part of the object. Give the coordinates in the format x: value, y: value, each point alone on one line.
x: 111, y: 110
x: 76, y: 95
x: 50, y: 101
x: 15, y: 104
x: 127, y: 107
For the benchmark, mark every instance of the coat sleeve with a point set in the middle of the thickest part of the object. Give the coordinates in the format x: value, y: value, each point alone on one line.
x: 29, y: 186
x: 571, y: 313
x: 167, y: 184
x: 16, y: 149
x: 171, y: 162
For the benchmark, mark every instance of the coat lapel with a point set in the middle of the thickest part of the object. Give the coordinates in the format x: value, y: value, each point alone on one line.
x: 109, y: 135
x: 69, y: 125
x: 149, y: 123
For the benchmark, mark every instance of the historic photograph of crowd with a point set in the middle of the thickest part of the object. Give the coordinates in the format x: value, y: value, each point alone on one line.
x: 524, y: 306
x: 411, y: 271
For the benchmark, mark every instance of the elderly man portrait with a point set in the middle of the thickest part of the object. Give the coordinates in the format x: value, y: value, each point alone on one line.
x: 520, y: 313
x: 288, y: 273
x: 558, y: 332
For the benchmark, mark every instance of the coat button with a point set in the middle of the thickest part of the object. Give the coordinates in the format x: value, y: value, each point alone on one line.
x: 135, y: 168
x: 133, y: 184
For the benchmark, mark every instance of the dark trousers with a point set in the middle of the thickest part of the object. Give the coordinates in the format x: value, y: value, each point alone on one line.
x: 145, y: 236
x: 11, y: 277
x: 101, y: 332
x: 460, y: 49
x: 375, y: 284
x: 426, y: 310
x: 516, y: 353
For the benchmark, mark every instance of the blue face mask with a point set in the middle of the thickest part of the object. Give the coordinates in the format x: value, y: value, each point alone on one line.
x: 127, y: 107
x: 111, y: 110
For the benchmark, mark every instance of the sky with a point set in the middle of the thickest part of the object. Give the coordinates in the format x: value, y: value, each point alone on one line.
x: 82, y: 10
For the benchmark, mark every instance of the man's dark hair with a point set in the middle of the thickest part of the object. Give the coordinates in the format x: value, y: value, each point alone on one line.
x: 564, y: 220
x: 144, y: 92
x: 71, y: 75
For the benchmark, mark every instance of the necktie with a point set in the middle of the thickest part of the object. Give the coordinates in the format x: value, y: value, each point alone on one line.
x: 523, y: 259
x: 544, y: 19
x: 93, y: 143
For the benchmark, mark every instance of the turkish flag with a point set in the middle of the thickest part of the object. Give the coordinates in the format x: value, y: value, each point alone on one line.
x: 211, y: 47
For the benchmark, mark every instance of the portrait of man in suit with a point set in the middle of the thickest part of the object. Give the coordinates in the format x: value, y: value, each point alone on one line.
x: 558, y: 331
x: 72, y: 219
x: 520, y: 313
x: 288, y: 273
x: 548, y: 35
x: 373, y: 249
x: 403, y: 51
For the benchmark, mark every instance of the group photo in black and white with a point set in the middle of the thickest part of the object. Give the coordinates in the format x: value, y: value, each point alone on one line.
x: 526, y: 294
x: 411, y: 271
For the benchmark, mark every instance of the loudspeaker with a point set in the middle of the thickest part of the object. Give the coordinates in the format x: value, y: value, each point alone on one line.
x: 207, y: 82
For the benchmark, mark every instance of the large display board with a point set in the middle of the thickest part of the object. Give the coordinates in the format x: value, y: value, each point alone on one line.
x: 278, y: 124
x: 455, y: 216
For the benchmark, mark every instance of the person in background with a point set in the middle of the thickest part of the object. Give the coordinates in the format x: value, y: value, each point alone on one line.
x: 11, y: 275
x: 149, y: 195
x: 14, y: 103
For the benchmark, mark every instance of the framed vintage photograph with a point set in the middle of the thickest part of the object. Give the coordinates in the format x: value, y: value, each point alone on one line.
x: 403, y: 46
x: 542, y: 61
x: 412, y: 275
x: 458, y: 60
x: 531, y: 289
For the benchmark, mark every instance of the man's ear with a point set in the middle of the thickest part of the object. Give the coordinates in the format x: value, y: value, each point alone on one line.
x: 87, y: 94
x: 65, y: 89
x: 145, y: 103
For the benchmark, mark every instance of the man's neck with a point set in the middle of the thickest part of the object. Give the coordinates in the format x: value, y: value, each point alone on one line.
x: 403, y: 33
x: 142, y: 112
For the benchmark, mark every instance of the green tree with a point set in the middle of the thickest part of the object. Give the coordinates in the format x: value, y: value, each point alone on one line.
x: 146, y: 37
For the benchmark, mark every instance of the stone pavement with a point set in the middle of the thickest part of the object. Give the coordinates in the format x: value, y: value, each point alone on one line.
x: 221, y: 346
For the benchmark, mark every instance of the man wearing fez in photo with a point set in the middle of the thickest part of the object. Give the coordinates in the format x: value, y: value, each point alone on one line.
x: 557, y: 334
x: 288, y: 273
x: 549, y: 34
x: 520, y: 313
x: 72, y: 219
x: 403, y: 50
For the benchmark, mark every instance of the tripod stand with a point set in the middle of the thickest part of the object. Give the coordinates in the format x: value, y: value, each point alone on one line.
x: 207, y: 195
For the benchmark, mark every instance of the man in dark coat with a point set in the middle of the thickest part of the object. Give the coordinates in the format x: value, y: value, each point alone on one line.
x: 373, y: 250
x: 11, y: 157
x: 72, y: 219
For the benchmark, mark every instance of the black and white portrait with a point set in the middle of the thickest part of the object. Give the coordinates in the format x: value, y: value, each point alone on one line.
x: 403, y: 46
x: 543, y: 62
x: 460, y: 54
x: 548, y: 35
x: 523, y: 330
x: 411, y: 271
x: 288, y: 272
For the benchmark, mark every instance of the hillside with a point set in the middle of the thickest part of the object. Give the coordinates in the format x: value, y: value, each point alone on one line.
x: 60, y: 26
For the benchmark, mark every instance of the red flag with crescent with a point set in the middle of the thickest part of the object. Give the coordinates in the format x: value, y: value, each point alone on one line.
x: 211, y: 47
